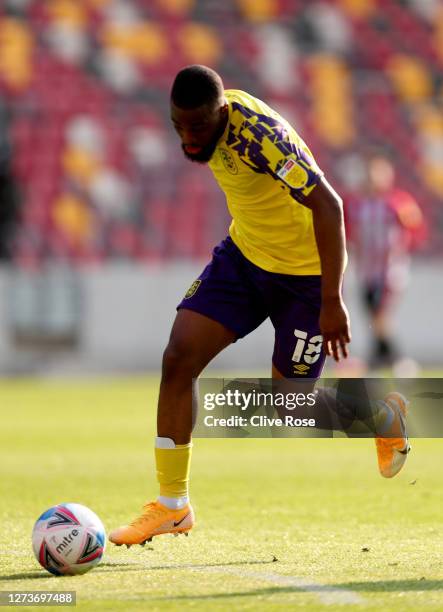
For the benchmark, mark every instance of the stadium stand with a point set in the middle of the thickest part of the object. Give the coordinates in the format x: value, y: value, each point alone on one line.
x: 86, y: 87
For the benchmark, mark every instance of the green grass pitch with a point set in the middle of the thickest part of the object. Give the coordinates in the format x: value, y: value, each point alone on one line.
x: 298, y: 524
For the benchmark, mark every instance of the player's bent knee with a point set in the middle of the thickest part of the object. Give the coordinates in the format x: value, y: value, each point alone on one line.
x: 180, y: 360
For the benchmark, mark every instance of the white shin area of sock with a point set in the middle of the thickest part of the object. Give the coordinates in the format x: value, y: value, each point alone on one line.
x: 174, y: 503
x: 164, y: 442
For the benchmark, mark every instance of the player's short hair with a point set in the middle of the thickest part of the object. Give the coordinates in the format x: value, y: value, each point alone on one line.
x: 196, y: 86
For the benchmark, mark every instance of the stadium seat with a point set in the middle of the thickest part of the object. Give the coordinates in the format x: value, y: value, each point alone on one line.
x: 145, y: 42
x: 72, y: 217
x: 67, y: 11
x: 410, y: 77
x: 175, y: 8
x: 200, y: 43
x: 16, y: 48
x: 358, y: 9
x: 258, y: 10
x: 89, y: 83
x: 332, y: 104
x: 80, y: 165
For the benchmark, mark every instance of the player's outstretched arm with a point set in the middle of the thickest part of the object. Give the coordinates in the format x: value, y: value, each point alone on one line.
x: 327, y: 211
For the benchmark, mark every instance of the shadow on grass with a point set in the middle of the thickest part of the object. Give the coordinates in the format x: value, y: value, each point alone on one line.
x: 132, y: 567
x: 45, y: 575
x: 381, y: 586
x: 28, y: 576
x: 391, y: 586
x: 388, y: 586
x: 187, y: 565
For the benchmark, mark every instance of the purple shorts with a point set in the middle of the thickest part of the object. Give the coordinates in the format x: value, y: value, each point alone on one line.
x: 240, y: 295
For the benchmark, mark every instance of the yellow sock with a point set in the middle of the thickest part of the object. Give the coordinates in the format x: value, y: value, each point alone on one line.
x: 173, y: 467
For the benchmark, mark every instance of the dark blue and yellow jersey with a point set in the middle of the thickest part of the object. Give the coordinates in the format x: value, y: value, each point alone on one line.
x: 265, y: 170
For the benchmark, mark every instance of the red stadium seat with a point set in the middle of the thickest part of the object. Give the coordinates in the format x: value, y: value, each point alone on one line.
x: 369, y: 96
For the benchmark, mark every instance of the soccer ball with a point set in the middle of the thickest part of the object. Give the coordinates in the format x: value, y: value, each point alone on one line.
x: 68, y: 539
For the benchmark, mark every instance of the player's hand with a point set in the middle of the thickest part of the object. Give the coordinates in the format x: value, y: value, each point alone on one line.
x: 335, y: 328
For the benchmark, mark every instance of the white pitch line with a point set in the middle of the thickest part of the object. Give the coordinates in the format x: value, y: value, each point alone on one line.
x: 327, y: 594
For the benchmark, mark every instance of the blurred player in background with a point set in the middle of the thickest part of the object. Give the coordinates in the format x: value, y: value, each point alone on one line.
x: 284, y: 259
x: 385, y: 224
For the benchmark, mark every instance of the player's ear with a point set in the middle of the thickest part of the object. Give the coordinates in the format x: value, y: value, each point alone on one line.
x: 224, y: 110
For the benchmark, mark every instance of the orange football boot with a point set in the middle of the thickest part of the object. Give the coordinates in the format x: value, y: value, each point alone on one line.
x: 155, y: 520
x: 392, y: 450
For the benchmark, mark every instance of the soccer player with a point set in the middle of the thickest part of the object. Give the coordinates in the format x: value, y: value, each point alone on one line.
x: 284, y: 259
x: 385, y: 225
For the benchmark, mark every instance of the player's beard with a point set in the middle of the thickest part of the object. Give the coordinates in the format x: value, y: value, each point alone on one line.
x: 204, y: 155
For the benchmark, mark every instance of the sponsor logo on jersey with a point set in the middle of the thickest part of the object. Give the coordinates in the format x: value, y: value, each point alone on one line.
x: 228, y: 161
x: 192, y: 289
x: 293, y: 174
x: 301, y: 368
